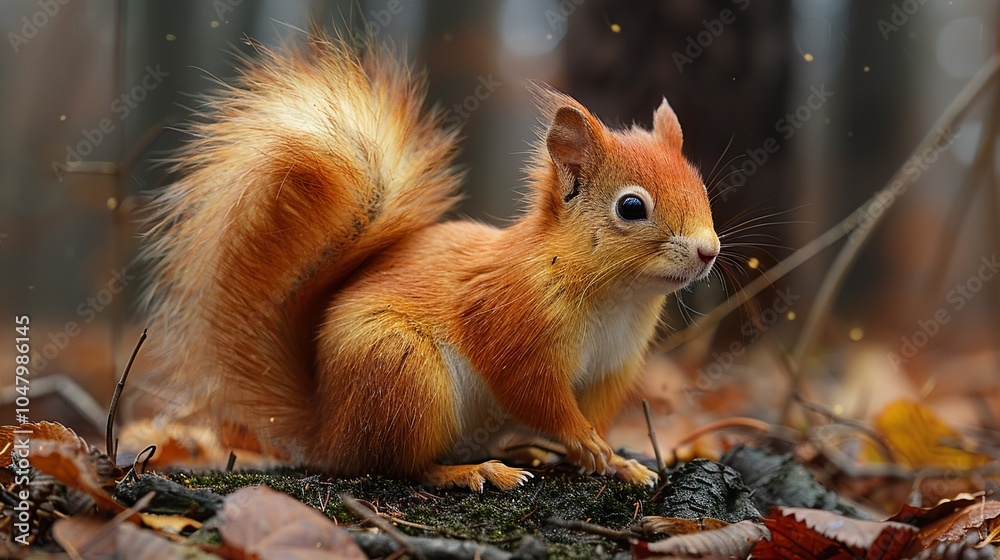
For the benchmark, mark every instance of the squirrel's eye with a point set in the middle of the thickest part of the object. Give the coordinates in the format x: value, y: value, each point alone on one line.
x: 631, y: 208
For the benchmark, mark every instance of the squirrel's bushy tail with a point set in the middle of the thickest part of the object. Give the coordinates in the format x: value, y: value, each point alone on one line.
x: 316, y: 158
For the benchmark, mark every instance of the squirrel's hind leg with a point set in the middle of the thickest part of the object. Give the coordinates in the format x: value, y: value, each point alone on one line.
x: 385, y: 394
x: 474, y: 477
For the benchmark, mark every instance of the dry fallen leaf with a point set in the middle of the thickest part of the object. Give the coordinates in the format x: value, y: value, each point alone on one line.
x: 57, y: 451
x: 41, y: 431
x: 731, y: 541
x: 807, y: 534
x: 73, y: 469
x: 952, y: 520
x: 170, y: 524
x: 680, y: 526
x: 270, y: 525
x: 93, y: 539
x: 920, y: 439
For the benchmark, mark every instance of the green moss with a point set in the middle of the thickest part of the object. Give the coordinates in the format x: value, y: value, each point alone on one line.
x: 495, y: 517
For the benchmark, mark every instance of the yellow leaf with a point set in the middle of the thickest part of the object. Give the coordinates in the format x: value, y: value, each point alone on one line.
x: 172, y: 524
x: 920, y: 439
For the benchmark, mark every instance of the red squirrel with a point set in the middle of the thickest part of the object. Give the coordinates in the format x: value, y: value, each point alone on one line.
x: 306, y: 283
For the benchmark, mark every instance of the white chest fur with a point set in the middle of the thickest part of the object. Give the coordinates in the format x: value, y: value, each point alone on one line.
x: 614, y: 335
x: 617, y: 331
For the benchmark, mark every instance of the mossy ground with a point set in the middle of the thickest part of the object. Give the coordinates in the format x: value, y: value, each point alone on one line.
x: 499, y: 518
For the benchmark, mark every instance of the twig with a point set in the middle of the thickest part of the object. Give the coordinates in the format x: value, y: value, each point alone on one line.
x: 661, y: 466
x: 791, y: 371
x: 110, y: 444
x: 740, y: 422
x: 421, y: 526
x: 231, y: 463
x: 145, y: 460
x: 381, y: 545
x: 884, y: 199
x: 624, y: 537
x: 399, y: 552
x: 860, y: 426
x: 530, y: 513
x: 982, y: 165
x: 383, y: 525
x: 409, y: 524
x: 817, y: 245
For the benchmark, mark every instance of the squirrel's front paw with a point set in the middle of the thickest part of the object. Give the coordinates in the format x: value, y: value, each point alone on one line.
x: 591, y: 453
x: 631, y: 470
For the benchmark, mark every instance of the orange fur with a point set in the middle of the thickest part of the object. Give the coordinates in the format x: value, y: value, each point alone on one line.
x: 305, y: 284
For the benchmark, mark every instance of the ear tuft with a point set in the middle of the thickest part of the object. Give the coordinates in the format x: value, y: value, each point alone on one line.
x: 571, y: 139
x: 666, y: 126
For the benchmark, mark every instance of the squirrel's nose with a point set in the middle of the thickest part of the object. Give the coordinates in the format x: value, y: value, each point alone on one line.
x: 707, y: 255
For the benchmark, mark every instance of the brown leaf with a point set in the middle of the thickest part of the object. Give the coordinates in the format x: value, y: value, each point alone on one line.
x: 921, y: 517
x: 93, y: 539
x: 83, y: 535
x: 38, y: 432
x: 680, y: 526
x: 731, y: 541
x: 57, y: 451
x: 799, y: 533
x: 270, y: 525
x: 957, y: 525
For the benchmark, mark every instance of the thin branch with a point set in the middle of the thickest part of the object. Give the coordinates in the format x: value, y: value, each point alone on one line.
x: 883, y: 200
x: 876, y: 437
x: 828, y: 238
x: 111, y: 445
x: 379, y: 545
x: 409, y: 524
x: 383, y: 525
x: 982, y: 166
x: 661, y: 466
x: 142, y: 458
x: 624, y: 537
x: 735, y: 422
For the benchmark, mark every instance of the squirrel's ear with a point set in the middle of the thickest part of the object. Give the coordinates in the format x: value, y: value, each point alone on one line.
x: 666, y: 126
x: 571, y: 139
